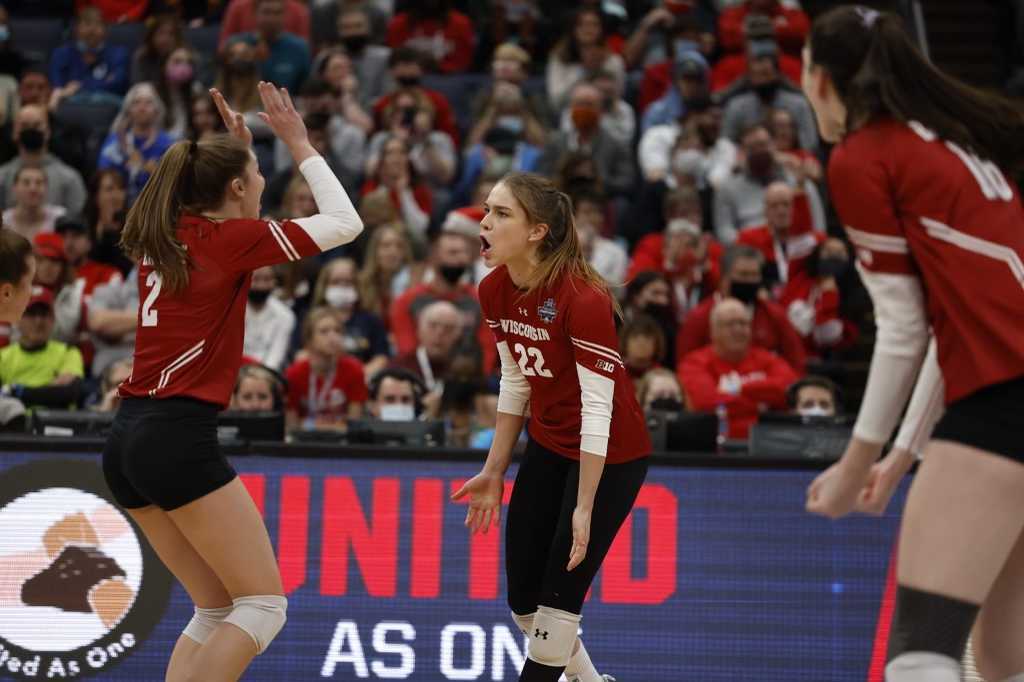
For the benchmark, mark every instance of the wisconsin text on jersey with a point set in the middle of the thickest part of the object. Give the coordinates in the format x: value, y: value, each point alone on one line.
x: 525, y: 330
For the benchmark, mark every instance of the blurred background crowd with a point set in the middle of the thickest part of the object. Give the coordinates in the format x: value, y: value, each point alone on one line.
x: 677, y: 127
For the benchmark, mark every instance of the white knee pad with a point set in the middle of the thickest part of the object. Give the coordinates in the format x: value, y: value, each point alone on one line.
x: 261, y: 616
x: 525, y: 623
x: 552, y: 636
x: 204, y: 622
x: 922, y: 666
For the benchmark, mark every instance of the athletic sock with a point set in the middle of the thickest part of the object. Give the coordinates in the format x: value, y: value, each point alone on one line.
x: 922, y: 666
x: 580, y: 668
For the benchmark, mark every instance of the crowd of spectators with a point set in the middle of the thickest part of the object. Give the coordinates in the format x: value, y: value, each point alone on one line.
x: 677, y: 127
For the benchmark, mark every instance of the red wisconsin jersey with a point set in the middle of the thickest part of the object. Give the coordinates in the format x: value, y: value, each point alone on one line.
x: 190, y: 343
x: 916, y: 205
x: 551, y: 331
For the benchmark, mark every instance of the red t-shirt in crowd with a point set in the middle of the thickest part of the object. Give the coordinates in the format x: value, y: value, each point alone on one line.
x: 328, y: 396
x: 450, y: 44
x: 745, y: 388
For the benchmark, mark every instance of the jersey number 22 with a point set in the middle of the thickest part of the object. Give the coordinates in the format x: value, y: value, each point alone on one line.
x: 532, y: 356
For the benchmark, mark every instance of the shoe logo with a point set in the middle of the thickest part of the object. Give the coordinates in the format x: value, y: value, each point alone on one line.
x: 84, y: 590
x: 540, y: 635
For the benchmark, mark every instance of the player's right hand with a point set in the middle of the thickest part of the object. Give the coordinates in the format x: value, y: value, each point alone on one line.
x: 280, y: 114
x: 485, y: 492
x: 884, y: 478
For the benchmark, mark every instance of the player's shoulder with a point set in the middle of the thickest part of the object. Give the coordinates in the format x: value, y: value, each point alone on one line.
x: 493, y: 283
x: 876, y: 140
x: 579, y: 292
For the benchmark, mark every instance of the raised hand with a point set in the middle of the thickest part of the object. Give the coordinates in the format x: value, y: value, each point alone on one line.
x: 233, y: 121
x: 280, y: 114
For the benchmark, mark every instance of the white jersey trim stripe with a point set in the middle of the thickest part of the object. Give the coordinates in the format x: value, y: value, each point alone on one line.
x: 282, y: 240
x: 598, y: 352
x: 974, y: 244
x: 877, y: 242
x: 182, y: 360
x: 596, y: 347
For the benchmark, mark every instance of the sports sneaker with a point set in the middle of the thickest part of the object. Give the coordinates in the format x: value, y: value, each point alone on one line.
x: 606, y: 678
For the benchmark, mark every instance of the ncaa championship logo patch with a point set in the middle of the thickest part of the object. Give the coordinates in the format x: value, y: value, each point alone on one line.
x: 548, y: 311
x: 80, y: 589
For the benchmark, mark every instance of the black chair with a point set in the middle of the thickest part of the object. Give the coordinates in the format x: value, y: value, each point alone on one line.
x: 128, y: 35
x: 792, y: 437
x: 36, y: 39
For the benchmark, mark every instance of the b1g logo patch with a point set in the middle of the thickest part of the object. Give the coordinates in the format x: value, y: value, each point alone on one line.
x: 80, y: 589
x: 548, y: 311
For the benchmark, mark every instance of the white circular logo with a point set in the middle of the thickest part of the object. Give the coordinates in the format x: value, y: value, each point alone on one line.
x: 70, y: 569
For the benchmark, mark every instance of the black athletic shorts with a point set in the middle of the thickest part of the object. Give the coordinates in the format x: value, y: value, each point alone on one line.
x: 164, y: 452
x: 538, y: 528
x: 990, y: 419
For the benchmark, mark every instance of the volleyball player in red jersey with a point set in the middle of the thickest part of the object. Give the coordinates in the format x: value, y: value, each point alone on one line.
x: 921, y: 178
x: 196, y: 232
x: 552, y: 317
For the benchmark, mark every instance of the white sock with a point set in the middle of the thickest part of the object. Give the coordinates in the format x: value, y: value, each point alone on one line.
x: 922, y: 666
x: 580, y: 668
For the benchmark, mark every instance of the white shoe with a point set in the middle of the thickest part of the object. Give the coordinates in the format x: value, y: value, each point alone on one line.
x: 606, y: 678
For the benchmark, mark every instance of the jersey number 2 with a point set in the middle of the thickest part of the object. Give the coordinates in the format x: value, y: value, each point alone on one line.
x: 149, y: 316
x: 531, y: 355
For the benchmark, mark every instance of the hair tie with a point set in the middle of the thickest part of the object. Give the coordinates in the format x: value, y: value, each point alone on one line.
x: 868, y: 16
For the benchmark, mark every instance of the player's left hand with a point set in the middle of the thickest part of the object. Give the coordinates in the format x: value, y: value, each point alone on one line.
x: 835, y: 491
x: 580, y: 537
x: 233, y: 121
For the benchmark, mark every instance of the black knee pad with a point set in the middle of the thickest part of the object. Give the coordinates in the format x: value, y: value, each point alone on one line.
x: 925, y: 621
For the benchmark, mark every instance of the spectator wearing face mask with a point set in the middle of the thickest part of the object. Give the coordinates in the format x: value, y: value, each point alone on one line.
x: 613, y: 160
x: 731, y: 70
x: 813, y: 396
x: 649, y: 294
x: 766, y: 92
x: 90, y: 65
x: 642, y: 345
x: 442, y: 34
x: 689, y: 146
x: 406, y: 70
x: 451, y: 257
x: 686, y: 257
x: 734, y: 373
x: 67, y: 138
x: 395, y: 395
x: 659, y: 390
x: 163, y: 35
x: 786, y: 240
x: 370, y: 61
x: 618, y: 119
x: 739, y: 201
x: 364, y: 336
x: 31, y: 133
x: 812, y: 299
x: 176, y: 86
x: 689, y: 84
x: 465, y: 222
x: 770, y: 327
x: 269, y: 323
x: 507, y: 98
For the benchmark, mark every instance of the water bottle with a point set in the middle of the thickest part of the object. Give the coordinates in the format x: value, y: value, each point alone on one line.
x: 723, y: 426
